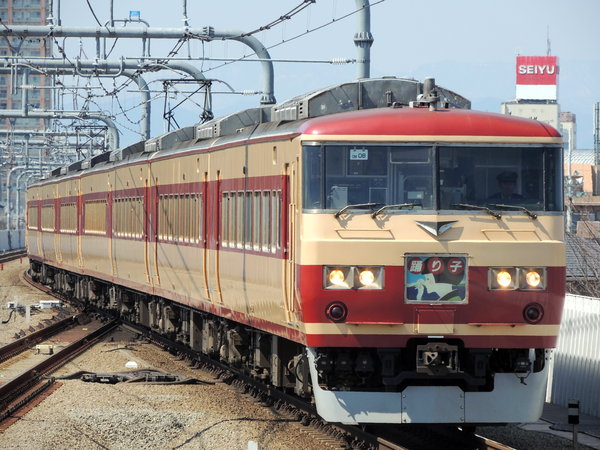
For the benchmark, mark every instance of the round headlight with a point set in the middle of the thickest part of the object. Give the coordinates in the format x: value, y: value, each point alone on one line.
x: 533, y: 279
x: 337, y: 277
x: 366, y: 277
x: 504, y: 279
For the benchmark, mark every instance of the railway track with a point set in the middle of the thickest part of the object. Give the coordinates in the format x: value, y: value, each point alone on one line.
x: 12, y: 255
x: 14, y: 348
x: 330, y: 435
x: 22, y: 390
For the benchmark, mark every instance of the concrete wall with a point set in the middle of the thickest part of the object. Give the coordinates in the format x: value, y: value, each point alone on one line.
x: 12, y: 240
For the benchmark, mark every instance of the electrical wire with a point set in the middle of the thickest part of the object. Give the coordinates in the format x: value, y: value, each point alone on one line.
x: 293, y: 38
x: 93, y: 13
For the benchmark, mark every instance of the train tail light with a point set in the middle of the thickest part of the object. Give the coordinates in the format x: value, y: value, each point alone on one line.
x: 336, y: 312
x: 533, y: 313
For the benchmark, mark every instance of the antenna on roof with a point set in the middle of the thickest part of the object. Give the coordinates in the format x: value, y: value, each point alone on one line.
x: 548, y: 51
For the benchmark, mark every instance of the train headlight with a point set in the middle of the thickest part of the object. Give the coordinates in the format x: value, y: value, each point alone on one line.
x: 366, y: 277
x: 503, y: 279
x: 369, y: 278
x: 532, y: 278
x: 352, y: 277
x: 337, y: 277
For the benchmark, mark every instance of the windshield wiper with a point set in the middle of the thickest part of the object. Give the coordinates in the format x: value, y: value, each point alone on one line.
x: 399, y: 205
x: 357, y: 206
x: 517, y: 207
x: 483, y: 208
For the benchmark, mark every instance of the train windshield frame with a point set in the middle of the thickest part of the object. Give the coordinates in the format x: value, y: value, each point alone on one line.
x: 432, y: 177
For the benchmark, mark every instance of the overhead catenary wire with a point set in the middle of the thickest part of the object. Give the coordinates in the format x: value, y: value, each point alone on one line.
x: 293, y: 38
x: 116, y: 90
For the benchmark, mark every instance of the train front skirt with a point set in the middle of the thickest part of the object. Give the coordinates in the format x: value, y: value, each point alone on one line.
x: 510, y: 401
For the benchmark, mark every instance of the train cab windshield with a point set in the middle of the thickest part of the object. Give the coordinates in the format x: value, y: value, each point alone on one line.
x: 432, y: 177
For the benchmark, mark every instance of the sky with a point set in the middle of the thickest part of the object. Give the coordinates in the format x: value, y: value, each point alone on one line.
x: 469, y: 46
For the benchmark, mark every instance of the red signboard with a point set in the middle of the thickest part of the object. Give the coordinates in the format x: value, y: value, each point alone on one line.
x: 537, y: 70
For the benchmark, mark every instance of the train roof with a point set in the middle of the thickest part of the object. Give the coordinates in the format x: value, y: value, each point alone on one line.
x: 361, y: 107
x: 426, y: 122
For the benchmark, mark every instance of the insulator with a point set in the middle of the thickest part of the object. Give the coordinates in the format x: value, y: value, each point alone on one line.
x: 341, y: 61
x: 250, y: 92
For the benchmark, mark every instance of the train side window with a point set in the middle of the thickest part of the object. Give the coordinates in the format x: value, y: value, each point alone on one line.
x: 239, y: 220
x: 169, y: 217
x: 178, y: 218
x: 276, y: 214
x: 232, y: 228
x: 68, y: 218
x: 48, y: 218
x: 32, y: 217
x: 265, y: 221
x: 95, y: 217
x: 161, y: 217
x: 139, y: 222
x: 248, y: 221
x: 225, y: 199
x: 185, y: 217
x: 197, y: 215
x: 256, y: 221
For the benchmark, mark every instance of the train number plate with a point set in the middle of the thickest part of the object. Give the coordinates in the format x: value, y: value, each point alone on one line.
x: 435, y: 278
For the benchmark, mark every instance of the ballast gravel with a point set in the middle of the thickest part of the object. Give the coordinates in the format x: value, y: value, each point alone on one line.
x: 14, y: 289
x: 207, y: 415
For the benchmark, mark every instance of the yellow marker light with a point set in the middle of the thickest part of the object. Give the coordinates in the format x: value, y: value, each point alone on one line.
x: 366, y: 277
x: 533, y: 279
x: 337, y: 277
x: 504, y: 279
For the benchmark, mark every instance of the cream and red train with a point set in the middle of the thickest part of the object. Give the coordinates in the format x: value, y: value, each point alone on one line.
x: 395, y: 258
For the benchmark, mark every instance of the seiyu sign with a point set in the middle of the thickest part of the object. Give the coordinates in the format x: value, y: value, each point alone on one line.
x: 537, y: 77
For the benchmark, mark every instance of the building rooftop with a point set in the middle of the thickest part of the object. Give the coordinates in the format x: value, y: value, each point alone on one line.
x: 580, y: 157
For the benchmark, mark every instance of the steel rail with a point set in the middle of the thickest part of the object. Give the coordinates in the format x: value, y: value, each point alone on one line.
x: 20, y: 345
x: 10, y: 391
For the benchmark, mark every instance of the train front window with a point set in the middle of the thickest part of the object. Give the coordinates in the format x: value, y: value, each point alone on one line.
x: 511, y: 176
x: 432, y: 177
x: 341, y: 175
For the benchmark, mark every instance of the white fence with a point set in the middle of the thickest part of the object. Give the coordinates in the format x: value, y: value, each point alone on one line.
x: 576, y: 362
x: 12, y: 239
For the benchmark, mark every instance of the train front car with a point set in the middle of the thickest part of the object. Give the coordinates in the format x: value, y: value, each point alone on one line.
x: 431, y: 264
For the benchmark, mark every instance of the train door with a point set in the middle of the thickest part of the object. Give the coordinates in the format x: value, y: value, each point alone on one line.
x: 112, y: 242
x: 205, y: 235
x: 57, y: 233
x: 79, y: 222
x: 150, y: 206
x: 38, y: 212
x: 290, y: 197
x: 217, y: 234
